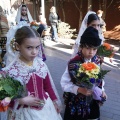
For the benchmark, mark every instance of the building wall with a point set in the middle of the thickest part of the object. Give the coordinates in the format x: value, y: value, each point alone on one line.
x: 112, y: 17
x: 72, y: 14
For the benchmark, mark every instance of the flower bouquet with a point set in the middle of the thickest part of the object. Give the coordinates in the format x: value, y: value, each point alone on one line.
x: 89, y: 74
x: 9, y: 90
x: 106, y: 50
x: 34, y: 25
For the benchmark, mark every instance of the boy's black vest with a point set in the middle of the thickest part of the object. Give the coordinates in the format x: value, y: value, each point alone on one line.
x: 79, y: 103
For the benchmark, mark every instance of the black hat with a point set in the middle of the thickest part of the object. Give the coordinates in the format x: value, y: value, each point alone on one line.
x: 90, y: 37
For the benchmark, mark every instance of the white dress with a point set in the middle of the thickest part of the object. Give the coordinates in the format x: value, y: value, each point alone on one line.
x: 24, y: 74
x: 48, y: 112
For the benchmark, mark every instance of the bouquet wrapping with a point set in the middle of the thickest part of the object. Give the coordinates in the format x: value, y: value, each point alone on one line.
x: 90, y: 75
x: 9, y: 89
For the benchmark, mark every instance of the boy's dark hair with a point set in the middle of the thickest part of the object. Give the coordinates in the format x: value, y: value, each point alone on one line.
x: 25, y: 32
x: 90, y: 38
x: 92, y: 17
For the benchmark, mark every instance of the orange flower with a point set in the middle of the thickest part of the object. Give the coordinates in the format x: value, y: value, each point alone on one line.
x: 33, y: 23
x: 89, y: 66
x: 107, y: 46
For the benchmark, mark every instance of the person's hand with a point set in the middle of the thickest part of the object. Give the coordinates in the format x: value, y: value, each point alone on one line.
x: 56, y: 107
x: 84, y: 91
x: 104, y: 95
x: 30, y: 101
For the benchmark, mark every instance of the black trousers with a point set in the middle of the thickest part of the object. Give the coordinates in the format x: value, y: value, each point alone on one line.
x: 94, y: 112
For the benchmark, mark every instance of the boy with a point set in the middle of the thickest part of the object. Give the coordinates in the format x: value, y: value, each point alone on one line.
x: 76, y: 98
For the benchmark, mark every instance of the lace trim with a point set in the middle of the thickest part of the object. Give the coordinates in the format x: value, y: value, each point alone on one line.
x: 22, y: 72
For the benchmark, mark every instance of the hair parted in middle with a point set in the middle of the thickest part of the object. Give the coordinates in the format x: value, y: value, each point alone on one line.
x: 91, y: 18
x: 23, y: 5
x: 25, y: 32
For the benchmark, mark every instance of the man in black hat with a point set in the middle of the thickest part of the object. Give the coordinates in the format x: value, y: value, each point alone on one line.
x: 75, y: 96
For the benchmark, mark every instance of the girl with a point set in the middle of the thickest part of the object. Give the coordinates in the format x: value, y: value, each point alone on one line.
x: 76, y: 106
x: 91, y: 19
x: 40, y: 100
x: 10, y: 52
x: 23, y: 14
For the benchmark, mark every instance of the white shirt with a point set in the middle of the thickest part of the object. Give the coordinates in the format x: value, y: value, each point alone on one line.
x: 68, y: 86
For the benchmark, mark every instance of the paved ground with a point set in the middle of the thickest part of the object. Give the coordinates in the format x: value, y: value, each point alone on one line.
x: 57, y: 56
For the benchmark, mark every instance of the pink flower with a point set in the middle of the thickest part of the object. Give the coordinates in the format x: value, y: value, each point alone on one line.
x: 6, y: 101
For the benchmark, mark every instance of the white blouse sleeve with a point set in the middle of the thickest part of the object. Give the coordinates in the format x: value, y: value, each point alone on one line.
x: 66, y: 83
x: 103, y: 83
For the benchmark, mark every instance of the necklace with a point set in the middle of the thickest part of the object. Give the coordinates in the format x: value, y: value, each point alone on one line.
x: 30, y: 63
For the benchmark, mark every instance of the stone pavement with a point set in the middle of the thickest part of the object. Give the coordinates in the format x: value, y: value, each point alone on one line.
x: 57, y: 56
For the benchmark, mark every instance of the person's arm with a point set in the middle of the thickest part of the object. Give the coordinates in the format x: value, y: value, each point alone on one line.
x: 68, y: 86
x: 51, y: 90
x: 66, y: 83
x: 48, y: 88
x: 50, y: 18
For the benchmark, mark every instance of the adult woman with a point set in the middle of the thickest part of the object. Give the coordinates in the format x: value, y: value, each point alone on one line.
x: 53, y: 18
x: 90, y: 19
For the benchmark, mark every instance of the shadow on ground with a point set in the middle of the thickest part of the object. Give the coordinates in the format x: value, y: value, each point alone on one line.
x: 63, y: 46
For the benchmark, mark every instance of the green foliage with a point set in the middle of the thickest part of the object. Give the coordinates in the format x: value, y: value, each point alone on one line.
x: 103, y: 52
x: 10, y: 88
x: 103, y: 73
x: 87, y: 78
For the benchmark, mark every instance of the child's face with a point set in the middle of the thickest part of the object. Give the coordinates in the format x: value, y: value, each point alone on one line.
x: 88, y: 52
x: 24, y: 11
x: 95, y: 24
x: 29, y: 49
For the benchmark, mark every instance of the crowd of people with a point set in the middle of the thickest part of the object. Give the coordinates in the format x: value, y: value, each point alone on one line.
x: 25, y: 62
